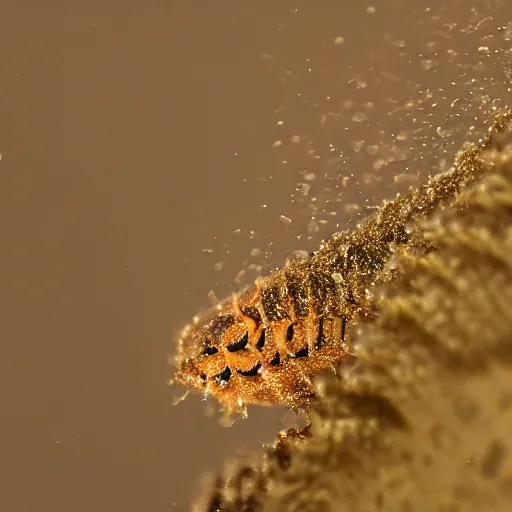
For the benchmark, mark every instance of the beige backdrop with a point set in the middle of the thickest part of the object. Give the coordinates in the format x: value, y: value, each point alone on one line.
x: 135, y: 141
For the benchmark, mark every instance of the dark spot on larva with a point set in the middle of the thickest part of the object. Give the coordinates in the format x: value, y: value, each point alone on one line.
x: 289, y: 333
x: 303, y: 352
x: 271, y: 302
x: 261, y: 341
x: 209, y: 351
x: 252, y: 313
x: 388, y: 237
x: 240, y: 344
x: 223, y: 377
x: 276, y: 360
x: 219, y: 325
x: 320, y: 339
x: 203, y: 376
x: 253, y: 372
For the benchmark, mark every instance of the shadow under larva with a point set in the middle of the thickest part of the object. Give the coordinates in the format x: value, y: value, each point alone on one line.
x: 265, y: 344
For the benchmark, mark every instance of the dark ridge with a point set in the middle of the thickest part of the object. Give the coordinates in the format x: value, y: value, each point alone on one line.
x: 303, y: 352
x: 261, y: 342
x: 240, y: 344
x: 323, y: 289
x: 219, y: 325
x: 276, y: 361
x: 223, y: 377
x: 343, y: 328
x: 209, y: 351
x: 297, y: 291
x: 289, y: 333
x: 252, y: 313
x: 320, y: 340
x: 253, y: 372
x: 271, y: 303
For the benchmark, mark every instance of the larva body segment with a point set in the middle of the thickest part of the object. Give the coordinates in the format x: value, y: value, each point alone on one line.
x: 265, y: 344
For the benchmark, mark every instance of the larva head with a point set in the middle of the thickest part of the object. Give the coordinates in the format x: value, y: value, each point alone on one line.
x: 220, y: 346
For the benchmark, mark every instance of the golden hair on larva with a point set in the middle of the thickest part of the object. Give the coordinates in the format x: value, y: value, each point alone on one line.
x: 265, y: 344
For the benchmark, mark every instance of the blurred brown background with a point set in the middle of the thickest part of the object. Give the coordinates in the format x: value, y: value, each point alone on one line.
x: 134, y: 143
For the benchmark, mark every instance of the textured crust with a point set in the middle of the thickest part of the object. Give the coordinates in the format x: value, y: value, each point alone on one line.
x: 423, y: 421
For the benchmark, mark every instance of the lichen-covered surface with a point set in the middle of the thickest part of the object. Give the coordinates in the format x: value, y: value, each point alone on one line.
x: 421, y: 419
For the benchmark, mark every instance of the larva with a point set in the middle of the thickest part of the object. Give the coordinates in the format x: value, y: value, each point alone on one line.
x: 264, y: 345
